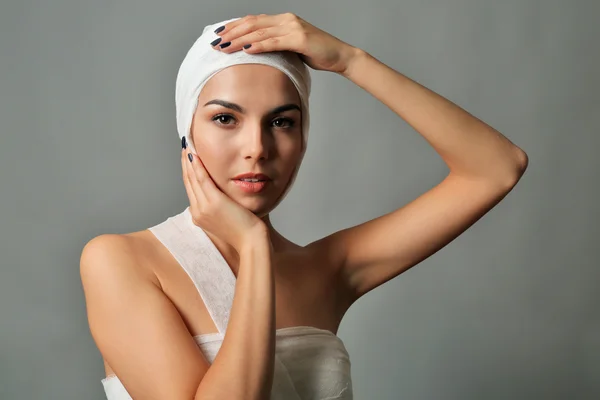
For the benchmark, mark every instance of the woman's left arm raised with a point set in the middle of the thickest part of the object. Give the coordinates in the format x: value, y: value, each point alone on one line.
x: 483, y: 167
x: 483, y: 164
x: 470, y: 147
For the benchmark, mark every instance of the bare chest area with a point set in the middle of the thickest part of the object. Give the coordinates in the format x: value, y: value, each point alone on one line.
x: 306, y: 288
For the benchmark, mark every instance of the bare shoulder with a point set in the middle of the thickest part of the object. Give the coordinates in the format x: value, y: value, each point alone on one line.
x: 128, y: 252
x: 109, y: 260
x: 124, y: 302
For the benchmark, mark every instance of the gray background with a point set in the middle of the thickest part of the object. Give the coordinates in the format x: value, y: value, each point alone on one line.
x: 509, y: 310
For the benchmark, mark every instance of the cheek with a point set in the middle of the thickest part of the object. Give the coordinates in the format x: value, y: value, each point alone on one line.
x: 291, y: 149
x: 204, y: 134
x: 207, y: 144
x: 210, y: 160
x: 216, y: 163
x: 289, y: 141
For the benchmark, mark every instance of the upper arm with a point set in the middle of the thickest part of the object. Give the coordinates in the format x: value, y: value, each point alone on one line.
x: 378, y: 250
x: 136, y: 327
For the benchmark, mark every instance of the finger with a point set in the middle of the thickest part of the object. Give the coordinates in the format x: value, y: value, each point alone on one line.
x: 186, y: 179
x: 200, y: 181
x: 289, y: 42
x: 255, y: 36
x: 233, y: 28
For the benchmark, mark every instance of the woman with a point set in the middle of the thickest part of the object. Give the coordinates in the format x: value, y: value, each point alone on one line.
x: 214, y: 302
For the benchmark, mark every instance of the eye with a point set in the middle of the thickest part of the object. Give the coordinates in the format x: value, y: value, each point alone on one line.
x: 221, y: 116
x: 290, y: 122
x: 226, y: 117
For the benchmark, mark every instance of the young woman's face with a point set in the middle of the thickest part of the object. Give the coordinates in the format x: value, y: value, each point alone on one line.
x: 250, y: 139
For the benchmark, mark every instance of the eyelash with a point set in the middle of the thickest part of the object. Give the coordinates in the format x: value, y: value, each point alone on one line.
x: 291, y: 122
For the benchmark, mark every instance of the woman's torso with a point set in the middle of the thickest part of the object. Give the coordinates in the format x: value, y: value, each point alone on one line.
x: 308, y: 292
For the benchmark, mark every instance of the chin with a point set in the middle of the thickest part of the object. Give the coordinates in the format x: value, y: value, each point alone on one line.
x: 256, y: 205
x: 259, y: 206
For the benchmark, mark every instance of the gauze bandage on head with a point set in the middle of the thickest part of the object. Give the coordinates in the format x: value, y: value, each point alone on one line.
x: 203, y: 61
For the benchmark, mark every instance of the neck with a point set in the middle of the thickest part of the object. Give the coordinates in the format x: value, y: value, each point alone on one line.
x: 280, y: 244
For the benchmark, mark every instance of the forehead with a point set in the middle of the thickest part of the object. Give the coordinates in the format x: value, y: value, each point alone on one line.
x: 251, y: 83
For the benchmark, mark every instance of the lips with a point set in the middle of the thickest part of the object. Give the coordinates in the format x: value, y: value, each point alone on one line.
x: 252, y: 180
x: 251, y: 187
x: 252, y: 175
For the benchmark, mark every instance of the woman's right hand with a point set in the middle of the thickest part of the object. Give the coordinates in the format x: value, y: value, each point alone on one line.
x: 213, y: 210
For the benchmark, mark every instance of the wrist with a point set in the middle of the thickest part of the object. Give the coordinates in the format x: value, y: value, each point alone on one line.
x: 256, y: 239
x: 355, y: 55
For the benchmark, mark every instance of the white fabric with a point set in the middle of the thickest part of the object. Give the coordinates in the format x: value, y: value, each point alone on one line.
x: 310, y: 363
x: 203, y: 61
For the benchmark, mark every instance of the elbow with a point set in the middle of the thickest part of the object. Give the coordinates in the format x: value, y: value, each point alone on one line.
x: 518, y: 168
x: 522, y: 161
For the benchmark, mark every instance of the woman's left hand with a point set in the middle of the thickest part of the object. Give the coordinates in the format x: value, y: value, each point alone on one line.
x: 287, y: 32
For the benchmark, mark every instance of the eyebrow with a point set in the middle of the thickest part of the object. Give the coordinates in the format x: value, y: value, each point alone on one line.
x: 240, y: 109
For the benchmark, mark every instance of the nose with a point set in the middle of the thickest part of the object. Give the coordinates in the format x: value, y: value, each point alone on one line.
x: 257, y: 142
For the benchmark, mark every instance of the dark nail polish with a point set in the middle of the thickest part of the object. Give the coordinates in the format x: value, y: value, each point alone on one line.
x: 215, y: 42
x: 220, y: 29
x: 183, y: 143
x: 190, y: 156
x: 247, y: 46
x: 225, y: 45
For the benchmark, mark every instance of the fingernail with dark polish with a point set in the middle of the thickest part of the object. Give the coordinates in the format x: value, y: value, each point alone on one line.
x: 215, y: 42
x: 247, y: 46
x: 220, y: 29
x: 183, y: 143
x: 225, y: 45
x: 190, y: 156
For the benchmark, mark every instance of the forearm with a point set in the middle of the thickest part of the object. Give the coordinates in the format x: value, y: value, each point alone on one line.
x: 243, y: 368
x: 467, y: 145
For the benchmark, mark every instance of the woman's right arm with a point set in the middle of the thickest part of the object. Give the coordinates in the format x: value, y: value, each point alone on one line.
x: 248, y: 349
x: 145, y: 341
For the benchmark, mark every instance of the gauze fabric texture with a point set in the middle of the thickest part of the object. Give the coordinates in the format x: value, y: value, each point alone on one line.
x: 202, y: 62
x: 310, y: 363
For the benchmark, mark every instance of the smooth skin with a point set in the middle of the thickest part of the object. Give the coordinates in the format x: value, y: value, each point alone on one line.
x: 118, y: 273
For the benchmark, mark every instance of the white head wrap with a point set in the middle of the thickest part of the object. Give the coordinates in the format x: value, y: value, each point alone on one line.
x: 203, y: 61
